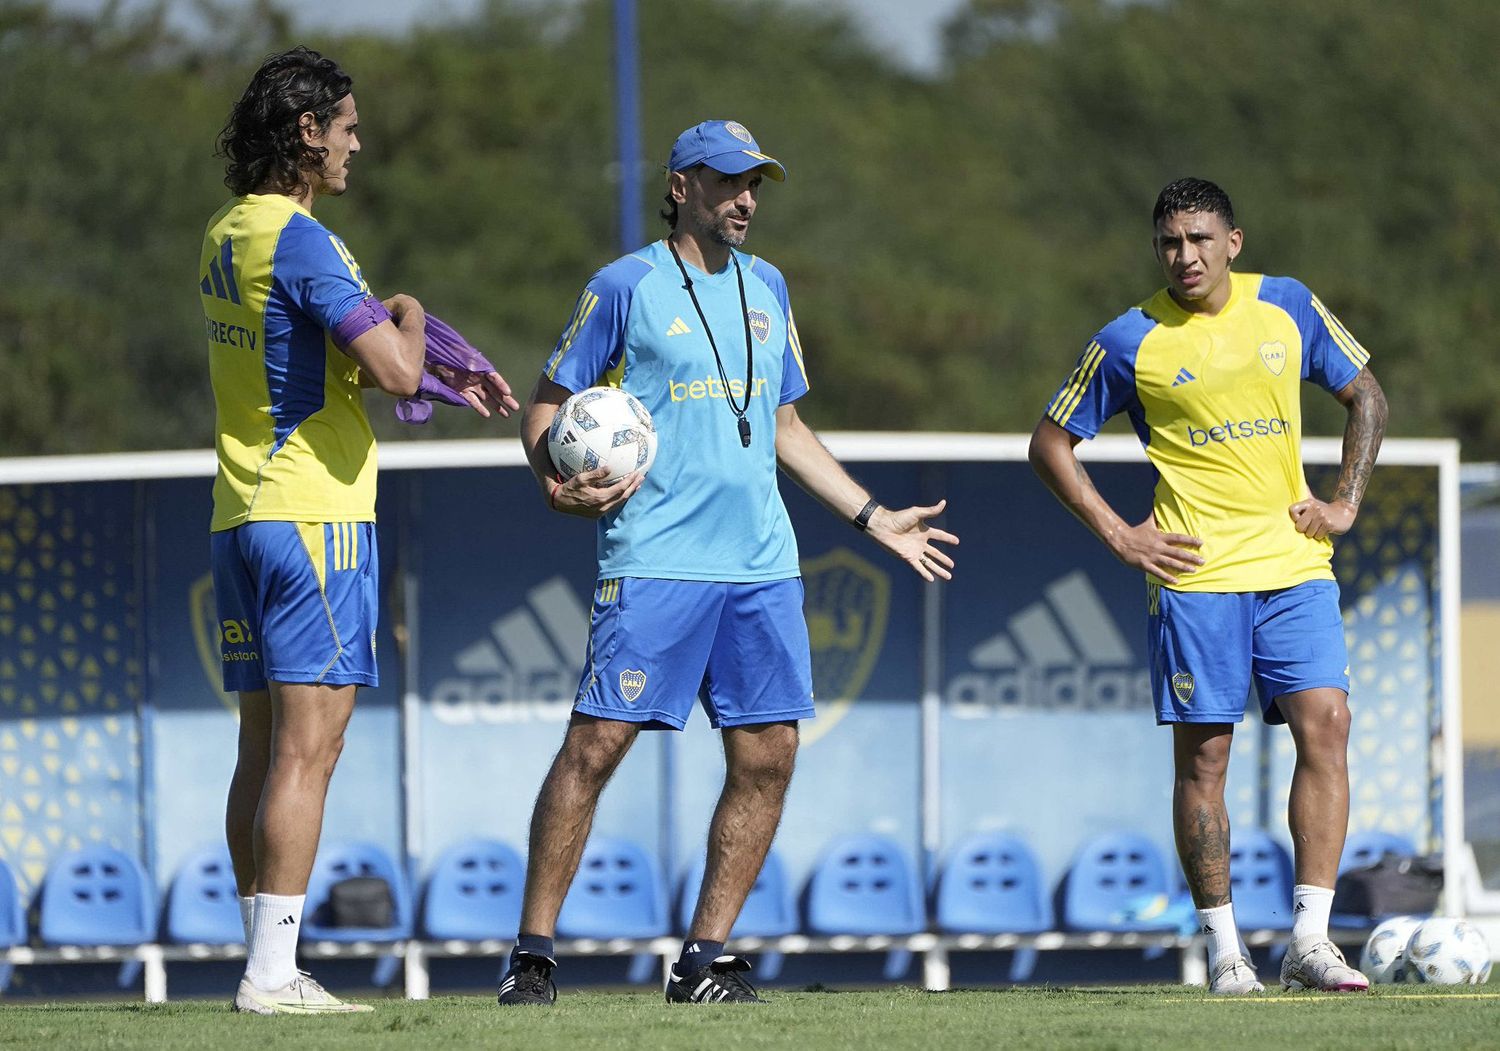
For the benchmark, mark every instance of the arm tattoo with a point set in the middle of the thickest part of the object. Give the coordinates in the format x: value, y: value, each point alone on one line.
x: 1203, y: 844
x: 1362, y: 436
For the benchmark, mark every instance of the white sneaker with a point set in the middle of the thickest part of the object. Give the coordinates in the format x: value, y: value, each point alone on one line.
x: 1235, y: 977
x: 1316, y: 963
x: 301, y: 996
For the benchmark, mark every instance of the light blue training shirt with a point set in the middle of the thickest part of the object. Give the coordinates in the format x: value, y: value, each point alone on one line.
x: 709, y: 508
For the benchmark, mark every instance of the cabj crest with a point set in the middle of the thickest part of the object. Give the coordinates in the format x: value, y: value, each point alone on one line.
x: 632, y: 682
x: 1182, y: 686
x: 1273, y: 356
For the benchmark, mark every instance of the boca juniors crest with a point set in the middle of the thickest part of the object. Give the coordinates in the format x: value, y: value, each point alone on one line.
x: 847, y: 609
x: 760, y: 324
x: 632, y: 682
x: 1182, y: 686
x: 1273, y: 356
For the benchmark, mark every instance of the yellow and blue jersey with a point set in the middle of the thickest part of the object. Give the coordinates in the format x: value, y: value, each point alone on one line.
x: 280, y: 294
x: 709, y: 509
x: 1216, y: 400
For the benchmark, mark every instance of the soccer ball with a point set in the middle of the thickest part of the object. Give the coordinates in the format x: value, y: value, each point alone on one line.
x: 1445, y: 951
x: 1384, y: 957
x: 602, y: 427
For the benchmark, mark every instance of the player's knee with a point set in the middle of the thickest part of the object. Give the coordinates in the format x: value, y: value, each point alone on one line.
x: 766, y: 770
x: 591, y: 751
x: 308, y: 758
x: 1205, y: 766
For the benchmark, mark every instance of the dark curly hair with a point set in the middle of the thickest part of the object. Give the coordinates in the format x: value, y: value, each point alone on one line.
x: 262, y: 139
x: 1193, y: 195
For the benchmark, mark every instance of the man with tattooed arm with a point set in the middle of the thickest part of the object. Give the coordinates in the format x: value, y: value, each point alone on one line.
x: 1236, y: 550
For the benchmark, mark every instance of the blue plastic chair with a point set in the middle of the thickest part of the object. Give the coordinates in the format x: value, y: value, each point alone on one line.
x: 617, y: 893
x: 474, y: 892
x: 203, y: 901
x: 991, y: 885
x: 1361, y: 850
x: 12, y: 920
x: 96, y: 895
x: 1365, y: 848
x: 341, y: 861
x: 770, y: 910
x: 1110, y: 878
x: 864, y: 886
x: 1260, y: 881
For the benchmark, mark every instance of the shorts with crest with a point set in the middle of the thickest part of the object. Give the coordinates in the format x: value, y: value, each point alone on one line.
x: 297, y: 603
x: 1208, y: 647
x: 657, y: 647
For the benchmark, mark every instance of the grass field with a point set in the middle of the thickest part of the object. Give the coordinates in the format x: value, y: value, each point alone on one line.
x: 1125, y: 1018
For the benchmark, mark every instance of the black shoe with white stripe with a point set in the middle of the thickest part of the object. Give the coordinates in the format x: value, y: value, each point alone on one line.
x: 721, y: 982
x: 529, y: 980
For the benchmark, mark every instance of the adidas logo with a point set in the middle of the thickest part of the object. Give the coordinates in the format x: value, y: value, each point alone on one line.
x: 288, y: 921
x: 1183, y: 376
x: 1062, y: 652
x: 1301, y: 906
x: 678, y: 327
x: 525, y: 668
x: 219, y: 281
x: 1208, y: 930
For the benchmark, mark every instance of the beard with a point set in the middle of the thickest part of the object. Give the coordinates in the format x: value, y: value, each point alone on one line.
x: 718, y: 230
x: 725, y: 236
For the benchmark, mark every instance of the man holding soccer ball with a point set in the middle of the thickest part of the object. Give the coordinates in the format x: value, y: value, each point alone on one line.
x: 699, y: 595
x: 1236, y: 551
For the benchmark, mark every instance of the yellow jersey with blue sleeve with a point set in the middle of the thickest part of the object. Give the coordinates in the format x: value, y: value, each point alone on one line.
x: 1216, y: 400
x: 281, y: 295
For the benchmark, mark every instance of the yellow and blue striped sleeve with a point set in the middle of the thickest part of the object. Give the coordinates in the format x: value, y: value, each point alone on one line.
x: 1331, y: 356
x: 1103, y: 383
x: 593, y: 339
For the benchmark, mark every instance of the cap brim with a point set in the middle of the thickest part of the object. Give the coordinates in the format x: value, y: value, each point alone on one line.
x: 736, y: 161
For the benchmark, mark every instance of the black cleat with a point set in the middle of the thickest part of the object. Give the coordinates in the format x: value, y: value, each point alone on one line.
x: 529, y: 980
x: 721, y: 982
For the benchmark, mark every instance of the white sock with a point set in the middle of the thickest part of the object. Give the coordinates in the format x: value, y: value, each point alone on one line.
x: 1223, y: 935
x: 247, y: 913
x: 1310, y: 909
x: 274, y: 927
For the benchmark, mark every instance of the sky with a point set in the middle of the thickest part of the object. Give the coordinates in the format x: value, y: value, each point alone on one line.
x: 907, y: 30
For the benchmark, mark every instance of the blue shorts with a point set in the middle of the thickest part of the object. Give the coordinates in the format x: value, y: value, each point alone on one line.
x: 1206, y: 648
x: 297, y: 603
x: 656, y: 646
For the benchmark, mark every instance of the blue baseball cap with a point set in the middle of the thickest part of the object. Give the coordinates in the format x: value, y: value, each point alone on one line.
x: 725, y: 146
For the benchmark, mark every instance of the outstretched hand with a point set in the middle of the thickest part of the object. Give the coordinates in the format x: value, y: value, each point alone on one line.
x: 483, y: 391
x: 1162, y: 555
x: 907, y: 535
x: 588, y: 495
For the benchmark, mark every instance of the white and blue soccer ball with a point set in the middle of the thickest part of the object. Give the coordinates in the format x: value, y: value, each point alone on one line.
x: 602, y: 427
x: 1384, y: 957
x: 1446, y: 951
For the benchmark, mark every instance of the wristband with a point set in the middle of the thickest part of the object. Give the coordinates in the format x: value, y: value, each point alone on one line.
x: 552, y: 495
x: 862, y: 520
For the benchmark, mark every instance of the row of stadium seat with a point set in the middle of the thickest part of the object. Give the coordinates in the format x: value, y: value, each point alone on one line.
x: 865, y: 885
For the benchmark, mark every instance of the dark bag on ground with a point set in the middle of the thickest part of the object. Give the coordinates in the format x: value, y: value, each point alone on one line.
x: 1394, y: 885
x: 361, y: 901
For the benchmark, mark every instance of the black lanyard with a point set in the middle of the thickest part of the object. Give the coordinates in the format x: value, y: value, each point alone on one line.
x: 738, y: 410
